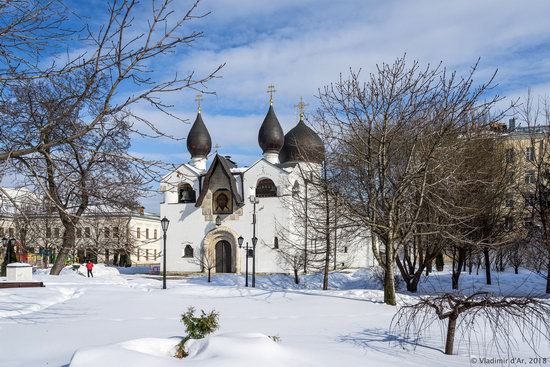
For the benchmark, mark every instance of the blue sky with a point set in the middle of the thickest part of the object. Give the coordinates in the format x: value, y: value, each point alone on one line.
x: 302, y: 45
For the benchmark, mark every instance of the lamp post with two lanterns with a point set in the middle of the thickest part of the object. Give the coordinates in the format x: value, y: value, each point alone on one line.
x: 164, y: 224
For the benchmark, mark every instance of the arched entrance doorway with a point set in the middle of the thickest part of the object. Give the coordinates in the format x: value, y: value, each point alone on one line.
x: 223, y: 257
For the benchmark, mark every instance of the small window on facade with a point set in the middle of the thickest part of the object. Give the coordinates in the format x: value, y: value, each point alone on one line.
x: 509, y: 223
x: 147, y: 233
x: 49, y: 232
x: 146, y: 254
x: 186, y: 194
x: 510, y: 178
x: 11, y: 232
x: 56, y: 232
x: 509, y: 155
x: 188, y: 251
x: 345, y: 249
x: 155, y: 234
x: 266, y: 189
x: 509, y: 201
x: 138, y: 232
x: 529, y: 200
x: 87, y: 232
x: 79, y: 233
x: 106, y: 232
x: 115, y: 232
x: 2, y: 232
x: 138, y: 253
x: 530, y: 154
x: 530, y: 177
x: 276, y: 242
x: 155, y: 254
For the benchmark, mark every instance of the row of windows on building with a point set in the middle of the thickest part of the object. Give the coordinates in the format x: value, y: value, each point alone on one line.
x: 530, y: 177
x: 147, y: 254
x: 138, y: 233
x: 10, y: 232
x: 529, y: 154
x: 265, y: 188
x: 108, y: 232
x: 529, y: 200
x: 55, y: 232
x: 509, y: 223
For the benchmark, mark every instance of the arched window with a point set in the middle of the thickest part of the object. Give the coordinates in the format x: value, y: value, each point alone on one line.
x: 188, y: 251
x: 186, y: 194
x: 266, y: 189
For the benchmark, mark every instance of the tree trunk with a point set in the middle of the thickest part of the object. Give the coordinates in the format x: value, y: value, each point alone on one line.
x: 458, y: 263
x: 439, y: 262
x: 451, y: 329
x: 487, y: 265
x: 516, y: 269
x: 389, y: 277
x: 412, y: 285
x: 429, y: 267
x: 209, y: 271
x: 548, y: 273
x: 296, y: 278
x: 327, y: 235
x: 66, y: 247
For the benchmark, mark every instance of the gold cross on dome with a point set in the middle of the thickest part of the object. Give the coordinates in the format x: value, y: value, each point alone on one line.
x: 198, y: 99
x: 270, y: 91
x: 301, y: 106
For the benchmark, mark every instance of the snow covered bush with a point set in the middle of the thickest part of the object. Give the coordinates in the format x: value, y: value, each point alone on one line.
x: 377, y: 273
x: 197, y: 327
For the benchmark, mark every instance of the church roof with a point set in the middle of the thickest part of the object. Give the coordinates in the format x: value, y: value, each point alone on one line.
x: 271, y: 137
x: 302, y: 144
x: 199, y: 142
x: 225, y: 166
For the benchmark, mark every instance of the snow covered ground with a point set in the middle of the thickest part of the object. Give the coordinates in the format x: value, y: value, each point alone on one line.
x: 129, y: 317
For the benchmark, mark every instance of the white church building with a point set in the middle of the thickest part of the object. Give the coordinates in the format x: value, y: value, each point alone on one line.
x: 210, y: 207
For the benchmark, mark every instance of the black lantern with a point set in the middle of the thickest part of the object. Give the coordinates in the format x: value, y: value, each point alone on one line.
x: 164, y: 224
x: 254, y: 241
x: 240, y: 240
x: 218, y: 221
x: 4, y: 241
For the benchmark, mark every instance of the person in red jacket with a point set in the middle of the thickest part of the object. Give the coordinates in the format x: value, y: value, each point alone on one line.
x: 89, y: 267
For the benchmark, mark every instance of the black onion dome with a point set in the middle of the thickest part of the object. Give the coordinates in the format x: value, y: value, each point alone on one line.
x: 199, y: 143
x: 271, y: 137
x: 302, y: 144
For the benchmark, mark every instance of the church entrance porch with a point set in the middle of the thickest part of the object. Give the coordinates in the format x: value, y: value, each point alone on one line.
x: 220, y: 245
x: 223, y: 257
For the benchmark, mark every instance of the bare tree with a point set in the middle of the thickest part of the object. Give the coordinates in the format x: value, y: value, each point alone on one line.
x: 118, y: 58
x: 390, y: 135
x: 534, y: 165
x: 206, y: 260
x: 475, y: 313
x: 320, y: 238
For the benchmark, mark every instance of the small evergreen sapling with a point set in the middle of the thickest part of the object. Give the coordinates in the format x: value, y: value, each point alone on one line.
x: 197, y: 327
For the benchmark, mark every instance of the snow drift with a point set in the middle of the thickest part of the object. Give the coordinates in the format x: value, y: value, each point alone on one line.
x: 231, y: 349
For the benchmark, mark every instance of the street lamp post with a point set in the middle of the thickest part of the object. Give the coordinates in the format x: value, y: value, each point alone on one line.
x: 164, y: 224
x: 241, y: 239
x: 254, y: 241
x: 255, y: 201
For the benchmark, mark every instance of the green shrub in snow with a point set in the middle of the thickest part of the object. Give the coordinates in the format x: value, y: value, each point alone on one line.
x: 196, y: 327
